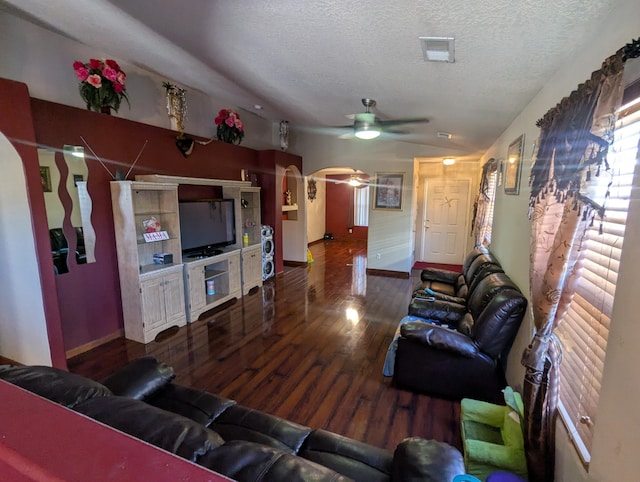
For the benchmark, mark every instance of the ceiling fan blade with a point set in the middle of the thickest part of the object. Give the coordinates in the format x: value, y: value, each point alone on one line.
x: 397, y: 122
x: 395, y: 131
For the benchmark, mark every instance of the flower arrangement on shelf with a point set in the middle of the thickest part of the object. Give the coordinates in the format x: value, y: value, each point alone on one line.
x: 102, y: 84
x: 229, y: 127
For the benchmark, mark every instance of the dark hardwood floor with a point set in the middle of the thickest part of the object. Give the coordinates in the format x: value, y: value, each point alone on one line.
x: 309, y: 346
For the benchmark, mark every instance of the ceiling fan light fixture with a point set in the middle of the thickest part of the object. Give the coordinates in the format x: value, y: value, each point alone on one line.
x: 367, y: 132
x: 365, y: 126
x: 448, y: 161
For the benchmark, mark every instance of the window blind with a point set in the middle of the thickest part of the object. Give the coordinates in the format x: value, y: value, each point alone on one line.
x: 485, y: 234
x: 361, y: 206
x: 584, y: 327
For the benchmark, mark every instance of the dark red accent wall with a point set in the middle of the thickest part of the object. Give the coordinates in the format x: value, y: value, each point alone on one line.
x: 337, y: 215
x: 89, y: 295
x: 272, y: 167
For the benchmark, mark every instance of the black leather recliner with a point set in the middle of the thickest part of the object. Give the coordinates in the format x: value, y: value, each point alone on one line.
x: 458, y: 350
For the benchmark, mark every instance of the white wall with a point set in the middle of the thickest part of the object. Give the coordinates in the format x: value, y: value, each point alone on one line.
x: 23, y: 330
x: 616, y: 434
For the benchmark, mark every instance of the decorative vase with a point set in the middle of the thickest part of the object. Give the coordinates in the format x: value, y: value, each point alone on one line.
x: 105, y: 109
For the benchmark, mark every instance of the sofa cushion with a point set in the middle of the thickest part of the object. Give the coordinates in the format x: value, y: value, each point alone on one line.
x: 242, y: 423
x: 197, y: 405
x: 57, y: 385
x: 169, y: 431
x: 140, y: 378
x: 249, y: 461
x: 349, y: 457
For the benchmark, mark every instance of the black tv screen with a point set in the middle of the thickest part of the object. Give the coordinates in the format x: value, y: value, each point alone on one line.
x: 206, y: 225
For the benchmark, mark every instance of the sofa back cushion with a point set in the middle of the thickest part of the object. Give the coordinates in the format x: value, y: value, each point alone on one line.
x: 169, y: 431
x: 485, y: 290
x: 140, y: 378
x: 242, y: 460
x: 57, y: 385
x: 473, y: 254
x: 496, y: 327
x: 476, y: 266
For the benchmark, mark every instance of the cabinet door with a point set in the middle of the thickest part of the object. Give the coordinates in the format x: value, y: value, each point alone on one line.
x: 252, y: 267
x: 153, y: 303
x: 174, y: 298
x: 197, y: 294
x: 234, y: 274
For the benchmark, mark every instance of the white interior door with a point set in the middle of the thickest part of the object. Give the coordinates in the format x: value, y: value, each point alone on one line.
x: 444, y: 225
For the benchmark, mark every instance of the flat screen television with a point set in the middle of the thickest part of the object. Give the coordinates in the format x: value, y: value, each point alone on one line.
x: 206, y: 225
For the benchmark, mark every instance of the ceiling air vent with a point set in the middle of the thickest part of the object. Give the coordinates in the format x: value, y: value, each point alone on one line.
x: 437, y: 49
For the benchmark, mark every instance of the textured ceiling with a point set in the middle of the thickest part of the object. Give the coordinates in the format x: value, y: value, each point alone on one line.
x: 312, y: 62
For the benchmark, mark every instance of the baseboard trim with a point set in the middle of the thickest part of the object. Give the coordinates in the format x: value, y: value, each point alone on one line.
x: 389, y: 273
x: 294, y: 263
x: 92, y: 344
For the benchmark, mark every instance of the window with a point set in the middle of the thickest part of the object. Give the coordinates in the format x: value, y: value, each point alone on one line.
x: 361, y: 206
x: 584, y: 328
x: 485, y: 230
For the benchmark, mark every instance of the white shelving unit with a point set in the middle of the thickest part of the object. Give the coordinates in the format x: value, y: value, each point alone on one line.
x: 152, y: 294
x: 223, y: 271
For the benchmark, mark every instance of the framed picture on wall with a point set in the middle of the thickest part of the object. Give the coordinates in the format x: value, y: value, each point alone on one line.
x: 513, y: 166
x: 45, y: 177
x: 388, y: 191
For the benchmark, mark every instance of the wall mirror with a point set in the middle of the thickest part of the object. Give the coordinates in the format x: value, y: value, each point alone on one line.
x: 64, y: 181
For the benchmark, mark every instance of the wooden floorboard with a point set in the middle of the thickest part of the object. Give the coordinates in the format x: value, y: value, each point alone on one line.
x: 292, y: 350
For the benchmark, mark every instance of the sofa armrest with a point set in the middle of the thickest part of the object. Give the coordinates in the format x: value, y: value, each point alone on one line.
x: 441, y: 275
x: 438, y: 310
x: 140, y: 378
x: 439, y: 338
x: 417, y: 459
x: 421, y: 293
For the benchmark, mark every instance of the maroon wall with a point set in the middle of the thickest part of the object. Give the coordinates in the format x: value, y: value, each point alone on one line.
x: 17, y: 124
x: 90, y: 306
x: 339, y: 199
x: 273, y: 164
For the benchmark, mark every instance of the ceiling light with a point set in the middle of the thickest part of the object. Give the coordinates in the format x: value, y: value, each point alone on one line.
x: 448, y: 161
x: 354, y: 182
x: 437, y: 49
x: 444, y: 135
x: 365, y: 126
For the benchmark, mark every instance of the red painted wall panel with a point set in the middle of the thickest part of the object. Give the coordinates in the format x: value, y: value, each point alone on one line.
x: 339, y: 200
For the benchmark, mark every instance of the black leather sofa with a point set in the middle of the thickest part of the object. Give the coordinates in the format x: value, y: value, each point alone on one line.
x: 455, y: 350
x: 217, y: 433
x: 477, y: 264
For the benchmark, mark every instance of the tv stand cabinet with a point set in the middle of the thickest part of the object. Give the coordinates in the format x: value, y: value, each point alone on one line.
x: 222, y: 271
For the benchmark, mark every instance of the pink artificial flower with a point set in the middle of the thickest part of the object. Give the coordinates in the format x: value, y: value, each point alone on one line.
x: 121, y: 78
x: 95, y: 64
x: 229, y: 121
x: 223, y: 113
x: 119, y: 88
x: 113, y: 64
x: 82, y: 73
x: 78, y: 65
x: 110, y: 74
x: 95, y: 80
x: 238, y: 125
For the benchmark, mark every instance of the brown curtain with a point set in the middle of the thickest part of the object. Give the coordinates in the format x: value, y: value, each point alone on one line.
x: 572, y: 147
x: 483, y: 200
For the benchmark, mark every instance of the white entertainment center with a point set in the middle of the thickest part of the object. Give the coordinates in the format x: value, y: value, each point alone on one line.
x: 167, y: 289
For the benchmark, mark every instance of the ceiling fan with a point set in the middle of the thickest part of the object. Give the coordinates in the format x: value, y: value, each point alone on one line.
x: 367, y: 126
